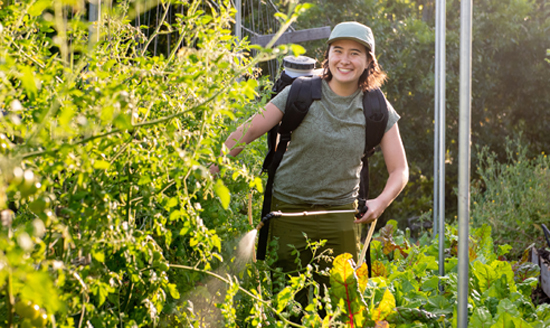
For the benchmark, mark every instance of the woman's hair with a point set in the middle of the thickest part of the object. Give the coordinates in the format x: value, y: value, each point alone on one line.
x: 372, y: 78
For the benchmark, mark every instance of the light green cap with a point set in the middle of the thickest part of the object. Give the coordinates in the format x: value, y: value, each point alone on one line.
x: 353, y: 31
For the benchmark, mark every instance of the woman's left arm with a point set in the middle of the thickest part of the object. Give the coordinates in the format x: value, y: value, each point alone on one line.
x: 398, y: 169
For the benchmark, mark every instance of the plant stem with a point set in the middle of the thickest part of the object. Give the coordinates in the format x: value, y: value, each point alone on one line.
x: 9, y: 293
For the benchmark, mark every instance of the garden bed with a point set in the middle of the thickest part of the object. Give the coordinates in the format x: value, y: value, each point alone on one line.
x: 541, y: 257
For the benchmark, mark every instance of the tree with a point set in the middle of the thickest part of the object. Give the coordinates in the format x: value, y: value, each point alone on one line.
x: 509, y: 80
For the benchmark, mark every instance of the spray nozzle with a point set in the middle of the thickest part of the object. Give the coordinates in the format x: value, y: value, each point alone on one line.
x: 268, y: 217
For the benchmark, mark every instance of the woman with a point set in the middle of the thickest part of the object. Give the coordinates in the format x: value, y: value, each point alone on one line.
x: 321, y: 167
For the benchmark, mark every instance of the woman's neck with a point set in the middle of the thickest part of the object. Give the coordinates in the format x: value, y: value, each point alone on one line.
x: 343, y: 89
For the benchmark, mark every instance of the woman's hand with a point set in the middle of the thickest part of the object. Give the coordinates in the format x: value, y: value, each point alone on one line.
x: 375, y: 209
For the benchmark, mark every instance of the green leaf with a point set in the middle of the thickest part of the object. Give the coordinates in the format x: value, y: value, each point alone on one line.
x: 346, y: 286
x: 223, y: 193
x: 439, y: 305
x: 28, y: 81
x: 144, y: 179
x: 175, y: 215
x: 172, y: 202
x: 481, y: 318
x: 123, y: 122
x: 38, y: 7
x: 173, y: 290
x: 98, y: 255
x: 101, y: 291
x: 297, y: 50
x: 506, y: 306
x: 67, y: 114
x: 503, y: 249
x: 216, y: 242
x: 185, y: 229
x: 259, y: 185
x: 283, y: 298
x: 101, y: 164
x: 38, y: 286
x: 385, y: 308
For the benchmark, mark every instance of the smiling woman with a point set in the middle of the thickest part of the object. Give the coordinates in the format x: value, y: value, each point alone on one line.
x: 320, y: 170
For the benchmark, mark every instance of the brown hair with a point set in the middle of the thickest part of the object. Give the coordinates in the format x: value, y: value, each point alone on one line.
x: 372, y: 78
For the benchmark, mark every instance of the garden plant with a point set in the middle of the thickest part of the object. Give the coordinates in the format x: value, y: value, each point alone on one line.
x: 110, y: 218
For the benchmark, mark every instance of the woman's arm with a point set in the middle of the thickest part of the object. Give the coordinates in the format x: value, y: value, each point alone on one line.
x: 398, y: 169
x: 250, y: 131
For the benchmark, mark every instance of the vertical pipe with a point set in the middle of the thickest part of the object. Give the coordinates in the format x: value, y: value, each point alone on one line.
x: 238, y: 19
x: 94, y: 15
x: 436, y: 144
x: 440, y: 86
x: 464, y: 159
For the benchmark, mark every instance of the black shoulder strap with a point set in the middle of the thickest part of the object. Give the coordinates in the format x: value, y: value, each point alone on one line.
x: 282, y: 82
x: 375, y: 109
x: 303, y: 92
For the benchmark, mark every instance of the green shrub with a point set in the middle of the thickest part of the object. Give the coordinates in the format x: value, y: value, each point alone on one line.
x: 512, y: 196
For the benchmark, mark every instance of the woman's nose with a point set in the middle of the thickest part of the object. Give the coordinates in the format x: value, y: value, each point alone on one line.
x: 345, y: 58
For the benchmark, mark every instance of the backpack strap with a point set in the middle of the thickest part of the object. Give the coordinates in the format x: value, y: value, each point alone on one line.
x: 375, y: 109
x: 282, y: 82
x: 303, y: 92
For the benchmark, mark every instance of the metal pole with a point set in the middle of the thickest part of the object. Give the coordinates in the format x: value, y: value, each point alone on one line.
x: 440, y: 108
x: 436, y: 146
x: 464, y: 159
x: 94, y: 15
x: 238, y: 19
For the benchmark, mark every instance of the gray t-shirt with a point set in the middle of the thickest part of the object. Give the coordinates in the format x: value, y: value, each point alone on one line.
x: 322, y: 164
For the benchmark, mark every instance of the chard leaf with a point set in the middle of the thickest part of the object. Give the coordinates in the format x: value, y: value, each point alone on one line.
x: 385, y: 308
x: 481, y: 318
x: 346, y: 286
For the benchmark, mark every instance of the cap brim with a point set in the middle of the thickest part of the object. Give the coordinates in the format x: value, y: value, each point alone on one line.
x: 350, y: 38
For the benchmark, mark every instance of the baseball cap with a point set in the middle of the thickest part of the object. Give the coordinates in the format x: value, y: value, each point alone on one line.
x: 353, y: 31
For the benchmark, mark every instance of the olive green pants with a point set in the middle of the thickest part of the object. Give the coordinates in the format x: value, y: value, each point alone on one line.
x: 340, y: 231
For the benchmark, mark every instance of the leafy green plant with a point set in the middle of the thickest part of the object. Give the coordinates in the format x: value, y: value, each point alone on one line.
x: 104, y: 160
x: 512, y: 196
x: 499, y: 291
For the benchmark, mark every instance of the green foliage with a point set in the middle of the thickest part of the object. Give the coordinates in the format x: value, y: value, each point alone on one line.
x: 104, y: 161
x: 512, y: 196
x: 404, y: 290
x: 509, y: 78
x: 109, y: 216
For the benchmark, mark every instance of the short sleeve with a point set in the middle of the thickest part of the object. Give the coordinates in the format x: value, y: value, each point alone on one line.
x: 393, y: 117
x: 280, y: 100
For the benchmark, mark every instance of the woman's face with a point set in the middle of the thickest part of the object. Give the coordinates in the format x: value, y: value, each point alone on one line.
x: 347, y: 60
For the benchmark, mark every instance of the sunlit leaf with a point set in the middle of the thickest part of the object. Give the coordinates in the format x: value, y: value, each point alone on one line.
x: 38, y: 7
x: 223, y: 193
x: 345, y: 286
x: 385, y: 308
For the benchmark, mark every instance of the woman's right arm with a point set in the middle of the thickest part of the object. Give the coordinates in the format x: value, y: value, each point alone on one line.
x: 250, y: 131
